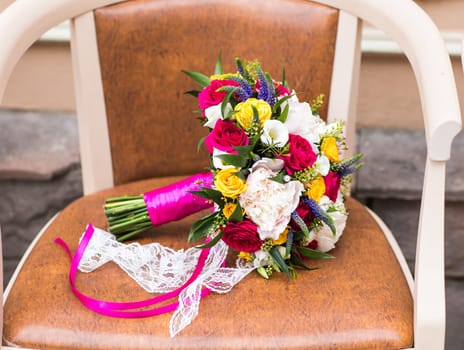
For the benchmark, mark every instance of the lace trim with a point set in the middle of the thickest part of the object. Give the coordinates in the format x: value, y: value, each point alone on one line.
x: 160, y: 269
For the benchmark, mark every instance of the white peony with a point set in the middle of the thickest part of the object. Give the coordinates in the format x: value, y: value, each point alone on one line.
x: 267, y: 203
x: 274, y: 164
x: 274, y: 133
x: 213, y: 114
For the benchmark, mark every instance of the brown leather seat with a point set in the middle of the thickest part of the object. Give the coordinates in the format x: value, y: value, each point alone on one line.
x: 359, y: 300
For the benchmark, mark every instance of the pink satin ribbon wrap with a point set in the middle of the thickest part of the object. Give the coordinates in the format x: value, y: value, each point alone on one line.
x: 174, y: 202
x: 166, y: 204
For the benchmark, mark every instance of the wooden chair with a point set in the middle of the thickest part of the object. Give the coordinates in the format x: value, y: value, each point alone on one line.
x: 137, y: 132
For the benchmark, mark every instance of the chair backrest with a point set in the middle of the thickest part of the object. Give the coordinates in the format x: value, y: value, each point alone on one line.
x: 97, y: 110
x: 139, y: 48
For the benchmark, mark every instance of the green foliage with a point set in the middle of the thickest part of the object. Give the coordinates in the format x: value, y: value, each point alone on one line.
x: 200, y: 78
x: 203, y: 227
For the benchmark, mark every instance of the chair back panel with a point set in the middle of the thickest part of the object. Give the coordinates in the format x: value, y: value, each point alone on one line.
x: 143, y: 45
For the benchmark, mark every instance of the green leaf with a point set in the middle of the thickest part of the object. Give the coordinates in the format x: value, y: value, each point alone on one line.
x: 274, y: 253
x: 314, y: 254
x: 289, y: 243
x: 203, y: 227
x: 280, y: 101
x: 283, y: 116
x: 297, y: 262
x: 262, y: 272
x: 235, y: 160
x: 218, y: 68
x: 200, y: 142
x: 200, y: 78
x: 255, y: 115
x: 230, y: 90
x: 209, y: 193
x: 244, y: 151
x: 212, y: 242
x: 279, y: 177
x: 237, y: 215
x: 301, y: 224
x: 194, y: 93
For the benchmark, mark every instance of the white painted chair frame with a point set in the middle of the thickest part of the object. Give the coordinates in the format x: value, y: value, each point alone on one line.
x: 25, y: 20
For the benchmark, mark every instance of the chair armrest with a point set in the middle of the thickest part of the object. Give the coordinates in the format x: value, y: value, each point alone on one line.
x: 429, y: 59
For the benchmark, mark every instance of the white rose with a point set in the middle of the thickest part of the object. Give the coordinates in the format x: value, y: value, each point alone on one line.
x: 274, y: 133
x: 325, y: 238
x: 322, y: 165
x: 301, y: 121
x: 269, y: 204
x: 213, y: 114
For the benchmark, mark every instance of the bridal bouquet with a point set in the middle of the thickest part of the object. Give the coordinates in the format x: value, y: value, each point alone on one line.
x: 275, y: 184
x: 276, y: 180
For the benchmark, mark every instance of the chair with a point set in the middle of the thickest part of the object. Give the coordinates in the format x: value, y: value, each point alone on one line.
x: 129, y: 136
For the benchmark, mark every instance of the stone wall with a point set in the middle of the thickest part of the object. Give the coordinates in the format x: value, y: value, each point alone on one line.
x: 40, y: 174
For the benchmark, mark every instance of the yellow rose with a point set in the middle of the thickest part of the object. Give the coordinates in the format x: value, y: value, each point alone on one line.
x: 316, y: 189
x: 244, y: 115
x: 330, y: 149
x: 229, y: 209
x: 282, y: 238
x: 229, y: 184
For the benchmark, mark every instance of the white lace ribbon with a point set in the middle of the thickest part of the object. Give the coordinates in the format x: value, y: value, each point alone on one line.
x: 160, y: 269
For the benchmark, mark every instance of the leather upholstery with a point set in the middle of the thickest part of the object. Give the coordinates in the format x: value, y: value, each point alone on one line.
x: 143, y: 46
x: 359, y: 300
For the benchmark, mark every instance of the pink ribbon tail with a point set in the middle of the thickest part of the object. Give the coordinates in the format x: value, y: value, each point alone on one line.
x: 126, y: 309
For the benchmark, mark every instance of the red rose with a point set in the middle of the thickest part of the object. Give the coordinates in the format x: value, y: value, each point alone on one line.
x: 312, y: 245
x: 209, y: 96
x: 301, y: 154
x: 242, y: 236
x: 304, y: 212
x: 332, y: 185
x: 225, y: 136
x: 281, y: 90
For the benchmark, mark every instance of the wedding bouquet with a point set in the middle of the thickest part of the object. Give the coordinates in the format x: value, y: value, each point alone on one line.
x: 276, y: 187
x: 276, y: 181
